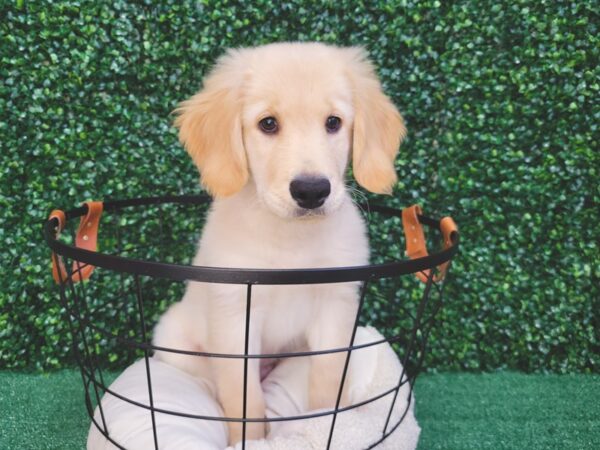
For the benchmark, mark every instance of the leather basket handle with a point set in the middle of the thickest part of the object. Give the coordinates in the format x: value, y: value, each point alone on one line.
x: 86, y: 238
x: 416, y: 246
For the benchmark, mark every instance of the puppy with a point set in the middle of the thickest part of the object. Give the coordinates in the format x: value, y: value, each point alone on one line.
x: 272, y: 133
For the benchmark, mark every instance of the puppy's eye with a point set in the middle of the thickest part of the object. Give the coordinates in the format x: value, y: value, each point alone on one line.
x: 333, y: 124
x: 268, y: 125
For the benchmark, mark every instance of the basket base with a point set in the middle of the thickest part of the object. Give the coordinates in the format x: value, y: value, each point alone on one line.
x: 373, y: 370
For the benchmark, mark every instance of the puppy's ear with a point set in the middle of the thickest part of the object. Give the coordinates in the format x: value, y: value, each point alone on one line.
x: 210, y: 128
x: 378, y: 127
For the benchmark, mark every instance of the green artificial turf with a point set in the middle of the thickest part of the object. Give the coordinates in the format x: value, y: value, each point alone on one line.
x: 509, y: 411
x: 456, y: 411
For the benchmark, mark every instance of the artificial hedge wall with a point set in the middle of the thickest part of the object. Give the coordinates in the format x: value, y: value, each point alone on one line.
x: 501, y: 102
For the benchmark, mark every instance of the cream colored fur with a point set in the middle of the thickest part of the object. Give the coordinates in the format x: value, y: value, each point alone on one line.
x: 255, y: 223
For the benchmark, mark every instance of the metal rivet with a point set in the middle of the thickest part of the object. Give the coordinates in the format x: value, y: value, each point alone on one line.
x: 415, y: 240
x: 85, y: 237
x: 89, y: 224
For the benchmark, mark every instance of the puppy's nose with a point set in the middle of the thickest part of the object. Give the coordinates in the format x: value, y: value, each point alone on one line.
x: 310, y: 192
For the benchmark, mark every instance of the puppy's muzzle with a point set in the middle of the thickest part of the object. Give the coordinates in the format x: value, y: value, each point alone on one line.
x: 310, y: 192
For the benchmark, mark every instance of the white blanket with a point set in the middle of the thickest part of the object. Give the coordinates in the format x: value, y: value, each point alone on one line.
x: 372, y: 371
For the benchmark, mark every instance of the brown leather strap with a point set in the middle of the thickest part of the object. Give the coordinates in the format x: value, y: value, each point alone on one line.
x: 86, y: 238
x: 416, y: 246
x: 58, y: 268
x: 448, y: 228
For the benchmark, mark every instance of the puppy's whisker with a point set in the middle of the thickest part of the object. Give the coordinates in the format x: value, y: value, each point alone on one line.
x: 359, y: 198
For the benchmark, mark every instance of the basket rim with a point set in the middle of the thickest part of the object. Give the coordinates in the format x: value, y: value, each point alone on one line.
x: 243, y: 276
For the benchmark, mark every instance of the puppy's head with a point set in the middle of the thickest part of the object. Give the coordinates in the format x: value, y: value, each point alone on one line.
x: 288, y: 118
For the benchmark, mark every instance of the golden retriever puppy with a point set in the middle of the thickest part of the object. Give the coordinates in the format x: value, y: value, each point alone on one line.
x: 272, y: 132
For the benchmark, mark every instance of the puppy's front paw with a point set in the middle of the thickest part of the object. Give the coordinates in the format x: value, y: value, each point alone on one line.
x: 325, y: 399
x: 325, y: 380
x: 254, y: 431
x: 261, y: 444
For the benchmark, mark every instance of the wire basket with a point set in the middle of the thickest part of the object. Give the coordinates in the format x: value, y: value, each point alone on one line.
x: 142, y: 270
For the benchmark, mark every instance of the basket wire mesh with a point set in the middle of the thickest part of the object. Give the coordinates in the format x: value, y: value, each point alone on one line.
x: 109, y: 314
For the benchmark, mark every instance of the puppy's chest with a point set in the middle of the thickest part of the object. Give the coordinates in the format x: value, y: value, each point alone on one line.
x: 285, y: 312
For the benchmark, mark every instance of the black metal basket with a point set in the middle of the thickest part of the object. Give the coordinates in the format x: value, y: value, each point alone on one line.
x: 136, y: 280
